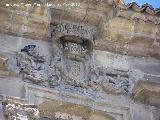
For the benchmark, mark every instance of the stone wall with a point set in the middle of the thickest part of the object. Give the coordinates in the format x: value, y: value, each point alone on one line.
x: 116, y: 104
x: 24, y: 21
x: 89, y: 57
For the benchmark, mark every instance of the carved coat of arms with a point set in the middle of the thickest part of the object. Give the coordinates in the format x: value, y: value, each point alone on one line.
x: 76, y: 58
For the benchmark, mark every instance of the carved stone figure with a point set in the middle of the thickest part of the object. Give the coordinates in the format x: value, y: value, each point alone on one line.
x: 76, y: 69
x: 72, y: 67
x: 34, y: 68
x: 112, y: 81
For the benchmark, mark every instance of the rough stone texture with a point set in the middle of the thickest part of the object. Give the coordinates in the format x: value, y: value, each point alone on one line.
x: 113, y: 63
x: 73, y: 111
x: 18, y: 111
x: 1, y: 108
x: 22, y: 21
x: 137, y: 37
x: 89, y: 58
x: 3, y: 61
x: 147, y: 92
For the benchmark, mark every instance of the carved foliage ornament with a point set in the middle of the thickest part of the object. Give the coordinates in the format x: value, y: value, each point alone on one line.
x: 76, y: 29
x: 35, y: 68
x: 73, y: 67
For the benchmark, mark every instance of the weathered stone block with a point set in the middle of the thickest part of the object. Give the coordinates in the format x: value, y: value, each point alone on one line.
x: 14, y: 22
x: 38, y: 24
x: 3, y: 61
x: 40, y: 11
x: 56, y: 110
x: 5, y: 15
x: 4, y: 20
x: 147, y: 92
x: 7, y: 73
x: 16, y: 29
x: 158, y: 30
x: 144, y: 28
x: 19, y: 19
x: 121, y: 24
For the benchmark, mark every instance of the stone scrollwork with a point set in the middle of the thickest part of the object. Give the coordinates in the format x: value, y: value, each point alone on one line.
x: 111, y: 80
x: 77, y: 29
x: 73, y: 67
x: 34, y: 67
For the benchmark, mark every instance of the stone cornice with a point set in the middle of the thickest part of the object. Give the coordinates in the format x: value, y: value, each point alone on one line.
x: 133, y: 11
x: 147, y: 8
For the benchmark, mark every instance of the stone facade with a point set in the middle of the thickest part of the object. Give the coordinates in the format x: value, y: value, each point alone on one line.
x: 79, y: 60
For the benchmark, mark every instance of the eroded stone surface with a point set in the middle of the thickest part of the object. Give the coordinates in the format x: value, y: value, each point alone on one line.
x: 35, y: 68
x: 18, y: 111
x: 3, y: 61
x: 93, y: 56
x: 72, y: 71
